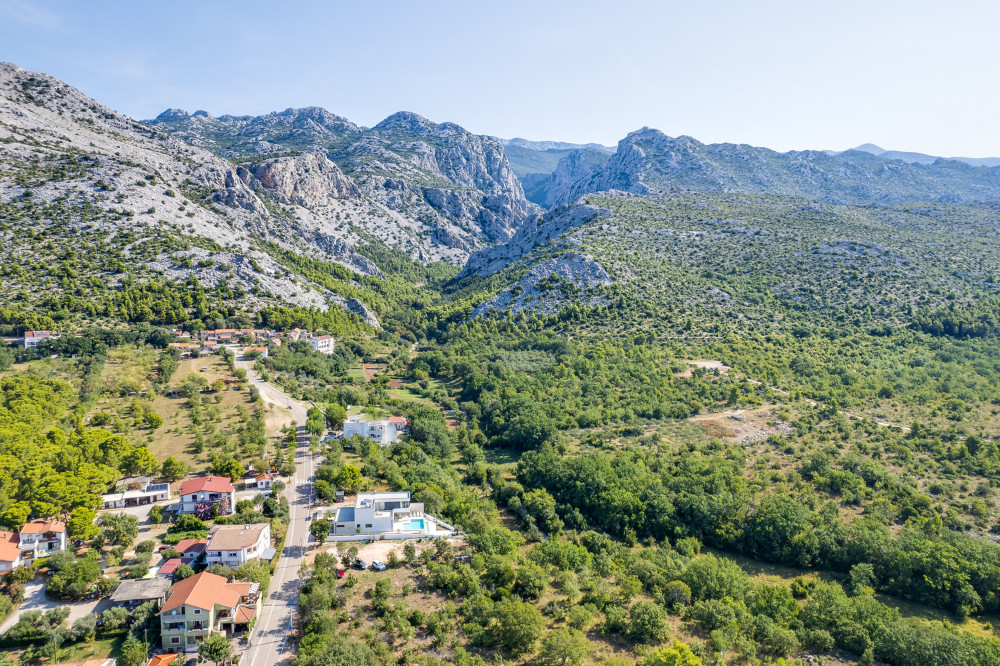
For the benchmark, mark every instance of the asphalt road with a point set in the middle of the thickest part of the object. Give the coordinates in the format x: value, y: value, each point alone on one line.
x: 271, y: 642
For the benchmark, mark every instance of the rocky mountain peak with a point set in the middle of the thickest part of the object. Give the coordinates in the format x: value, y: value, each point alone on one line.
x: 406, y: 121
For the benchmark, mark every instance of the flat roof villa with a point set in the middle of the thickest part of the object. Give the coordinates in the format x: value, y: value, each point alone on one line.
x: 382, y: 513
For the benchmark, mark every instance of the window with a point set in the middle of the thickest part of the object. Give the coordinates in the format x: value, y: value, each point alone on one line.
x: 175, y: 639
x: 368, y: 525
x: 197, y: 611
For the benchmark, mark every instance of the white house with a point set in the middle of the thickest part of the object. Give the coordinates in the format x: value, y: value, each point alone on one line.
x: 32, y: 338
x: 234, y: 545
x: 323, y: 344
x: 41, y: 537
x: 382, y: 431
x: 375, y: 513
x: 210, y: 490
x: 261, y: 351
x: 138, y: 491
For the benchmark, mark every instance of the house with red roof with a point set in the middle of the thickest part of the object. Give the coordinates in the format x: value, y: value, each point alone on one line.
x: 41, y: 537
x: 212, y: 490
x: 10, y: 551
x: 206, y: 604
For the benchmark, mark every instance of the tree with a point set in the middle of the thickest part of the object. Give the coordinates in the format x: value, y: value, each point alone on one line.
x: 133, y: 652
x: 648, y: 622
x: 156, y: 513
x: 350, y: 479
x: 114, y: 618
x: 228, y: 467
x: 216, y: 648
x: 516, y: 626
x: 335, y: 415
x: 564, y: 647
x: 173, y: 469
x: 139, y: 461
x: 320, y: 529
x: 182, y: 571
x: 678, y: 654
x: 153, y: 420
x: 81, y: 523
x: 120, y: 529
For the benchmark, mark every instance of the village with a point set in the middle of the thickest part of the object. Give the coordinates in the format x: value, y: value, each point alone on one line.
x: 202, y: 574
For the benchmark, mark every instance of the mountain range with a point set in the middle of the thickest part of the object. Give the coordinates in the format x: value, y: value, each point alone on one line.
x: 243, y: 190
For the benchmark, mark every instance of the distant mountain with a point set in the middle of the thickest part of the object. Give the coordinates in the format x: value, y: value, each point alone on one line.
x: 452, y: 191
x: 921, y: 158
x: 552, y: 145
x: 648, y: 161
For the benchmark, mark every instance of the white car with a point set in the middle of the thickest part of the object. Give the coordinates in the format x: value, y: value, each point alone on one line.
x: 378, y: 566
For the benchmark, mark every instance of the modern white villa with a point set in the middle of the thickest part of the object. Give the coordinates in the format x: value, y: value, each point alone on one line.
x: 379, y: 513
x: 382, y: 431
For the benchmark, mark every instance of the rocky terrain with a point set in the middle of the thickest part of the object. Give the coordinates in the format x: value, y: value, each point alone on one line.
x: 648, y: 161
x: 62, y: 151
x: 434, y: 191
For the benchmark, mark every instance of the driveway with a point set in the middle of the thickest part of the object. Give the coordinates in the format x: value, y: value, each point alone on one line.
x: 35, y: 599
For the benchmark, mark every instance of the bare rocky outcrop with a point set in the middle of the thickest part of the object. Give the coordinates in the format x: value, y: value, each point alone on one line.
x: 308, y: 180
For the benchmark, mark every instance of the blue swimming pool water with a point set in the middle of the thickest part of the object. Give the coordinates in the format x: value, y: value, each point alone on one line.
x: 415, y: 524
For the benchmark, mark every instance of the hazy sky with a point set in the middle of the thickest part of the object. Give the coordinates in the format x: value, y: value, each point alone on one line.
x: 908, y: 75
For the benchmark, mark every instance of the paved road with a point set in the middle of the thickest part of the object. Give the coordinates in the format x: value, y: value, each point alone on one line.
x: 271, y: 642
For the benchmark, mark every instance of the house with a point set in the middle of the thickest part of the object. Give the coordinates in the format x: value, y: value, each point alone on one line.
x: 323, y: 344
x: 132, y: 593
x: 376, y: 513
x: 41, y: 537
x: 168, y: 568
x: 161, y: 660
x: 216, y: 490
x: 190, y: 549
x: 264, y: 481
x: 32, y: 338
x: 135, y: 491
x: 206, y: 604
x: 401, y: 424
x: 10, y: 551
x: 261, y: 351
x: 382, y: 431
x: 234, y: 545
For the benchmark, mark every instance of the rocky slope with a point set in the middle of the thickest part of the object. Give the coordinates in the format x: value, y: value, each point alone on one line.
x: 87, y: 167
x: 648, y: 161
x: 447, y: 190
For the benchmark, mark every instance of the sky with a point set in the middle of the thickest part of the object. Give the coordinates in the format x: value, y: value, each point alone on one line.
x: 788, y: 75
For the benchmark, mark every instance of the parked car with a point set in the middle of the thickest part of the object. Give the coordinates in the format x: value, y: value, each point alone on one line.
x: 360, y: 564
x: 378, y: 566
x: 340, y: 573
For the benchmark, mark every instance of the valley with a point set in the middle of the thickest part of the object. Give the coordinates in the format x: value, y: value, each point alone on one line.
x: 676, y: 402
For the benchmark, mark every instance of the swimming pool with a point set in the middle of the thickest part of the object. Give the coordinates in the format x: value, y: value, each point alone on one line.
x: 415, y: 524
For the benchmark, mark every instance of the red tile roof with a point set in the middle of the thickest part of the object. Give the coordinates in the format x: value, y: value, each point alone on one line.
x: 168, y: 567
x: 43, y: 526
x: 203, y: 591
x: 10, y: 549
x: 190, y: 546
x: 211, y: 484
